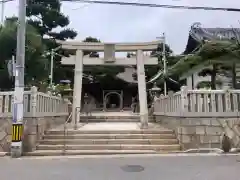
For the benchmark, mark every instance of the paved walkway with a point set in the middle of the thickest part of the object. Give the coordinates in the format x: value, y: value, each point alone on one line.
x: 123, y: 113
x: 111, y: 125
x: 115, y: 126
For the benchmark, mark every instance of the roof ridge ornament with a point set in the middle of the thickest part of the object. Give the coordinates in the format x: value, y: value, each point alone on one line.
x: 196, y: 25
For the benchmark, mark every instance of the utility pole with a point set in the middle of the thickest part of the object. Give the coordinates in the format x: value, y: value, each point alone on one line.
x: 51, y: 66
x: 17, y: 121
x: 164, y: 64
x: 53, y: 53
x: 2, y: 11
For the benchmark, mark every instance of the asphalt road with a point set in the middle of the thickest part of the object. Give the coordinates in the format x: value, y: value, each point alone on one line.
x: 120, y: 168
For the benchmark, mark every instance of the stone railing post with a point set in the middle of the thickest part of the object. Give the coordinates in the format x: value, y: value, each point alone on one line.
x: 1, y: 104
x: 162, y: 106
x: 34, y: 101
x: 184, y: 101
x: 228, y: 100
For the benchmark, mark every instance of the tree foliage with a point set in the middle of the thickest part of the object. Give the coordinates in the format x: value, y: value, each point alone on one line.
x: 43, y: 18
x: 220, y: 55
x: 209, y: 53
x: 35, y: 63
x: 170, y: 61
x: 46, y: 17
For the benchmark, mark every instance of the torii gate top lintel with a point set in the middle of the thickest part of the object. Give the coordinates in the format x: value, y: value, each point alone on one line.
x: 118, y: 47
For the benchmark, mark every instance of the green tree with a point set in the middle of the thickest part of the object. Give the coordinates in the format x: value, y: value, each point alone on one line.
x: 46, y: 17
x: 150, y: 71
x: 221, y: 55
x: 35, y: 63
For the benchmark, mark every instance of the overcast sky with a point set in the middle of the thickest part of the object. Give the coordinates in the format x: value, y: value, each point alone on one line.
x: 113, y: 23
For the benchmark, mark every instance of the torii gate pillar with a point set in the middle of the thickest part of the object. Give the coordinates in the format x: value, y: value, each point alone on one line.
x: 142, y: 92
x: 77, y: 91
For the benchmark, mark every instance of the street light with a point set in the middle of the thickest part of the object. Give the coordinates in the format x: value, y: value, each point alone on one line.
x: 52, y: 57
x: 52, y: 53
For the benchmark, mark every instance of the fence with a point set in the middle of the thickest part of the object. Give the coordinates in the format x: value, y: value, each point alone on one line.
x: 199, y: 103
x: 35, y: 104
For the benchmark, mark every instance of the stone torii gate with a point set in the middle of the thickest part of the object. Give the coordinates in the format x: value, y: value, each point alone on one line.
x: 109, y: 59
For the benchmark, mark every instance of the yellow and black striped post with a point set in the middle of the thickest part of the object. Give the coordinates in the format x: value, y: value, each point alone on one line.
x: 17, y: 132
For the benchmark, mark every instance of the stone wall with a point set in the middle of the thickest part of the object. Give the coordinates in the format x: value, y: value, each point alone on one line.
x: 34, y: 129
x: 202, y: 132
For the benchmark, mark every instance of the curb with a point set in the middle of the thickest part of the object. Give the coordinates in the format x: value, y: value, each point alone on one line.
x: 125, y: 156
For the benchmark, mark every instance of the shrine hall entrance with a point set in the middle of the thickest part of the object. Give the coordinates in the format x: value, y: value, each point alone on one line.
x: 112, y: 100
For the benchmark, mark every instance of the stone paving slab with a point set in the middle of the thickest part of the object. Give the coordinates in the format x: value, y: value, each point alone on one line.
x: 111, y: 126
x: 124, y: 113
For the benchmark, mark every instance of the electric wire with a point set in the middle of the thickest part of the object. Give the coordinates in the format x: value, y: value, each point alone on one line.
x: 5, y: 1
x: 208, y: 8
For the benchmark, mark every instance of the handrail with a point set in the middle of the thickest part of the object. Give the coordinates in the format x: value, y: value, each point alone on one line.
x: 65, y: 133
x: 77, y: 115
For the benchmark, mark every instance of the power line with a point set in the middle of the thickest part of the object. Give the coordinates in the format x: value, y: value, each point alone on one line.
x: 208, y: 8
x: 5, y: 1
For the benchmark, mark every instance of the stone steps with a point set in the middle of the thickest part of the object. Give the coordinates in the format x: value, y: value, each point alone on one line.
x: 111, y: 136
x: 172, y: 147
x: 145, y: 131
x: 90, y: 152
x: 108, y: 141
x: 112, y: 120
x: 108, y: 138
x: 132, y: 116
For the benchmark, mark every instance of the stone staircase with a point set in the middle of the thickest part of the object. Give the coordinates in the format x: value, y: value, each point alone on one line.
x: 96, y: 142
x: 124, y: 118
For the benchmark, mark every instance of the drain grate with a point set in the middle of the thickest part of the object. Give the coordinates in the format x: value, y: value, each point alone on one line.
x: 132, y: 168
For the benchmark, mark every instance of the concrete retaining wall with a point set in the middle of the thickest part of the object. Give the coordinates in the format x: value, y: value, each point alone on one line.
x: 202, y: 132
x: 34, y: 130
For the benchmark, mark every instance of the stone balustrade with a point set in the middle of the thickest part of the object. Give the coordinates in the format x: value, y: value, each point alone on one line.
x: 199, y: 103
x: 36, y: 104
x: 200, y: 117
x: 41, y: 112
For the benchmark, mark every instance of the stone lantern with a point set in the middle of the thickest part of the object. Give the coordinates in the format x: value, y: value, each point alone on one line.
x: 155, y: 91
x: 65, y: 89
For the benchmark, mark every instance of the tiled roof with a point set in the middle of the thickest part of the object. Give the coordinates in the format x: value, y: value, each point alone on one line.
x: 198, y: 33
